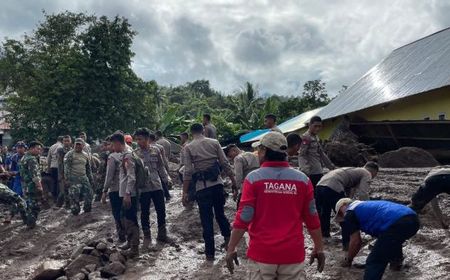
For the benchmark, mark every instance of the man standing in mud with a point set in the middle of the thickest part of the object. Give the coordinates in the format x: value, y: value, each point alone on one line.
x: 436, y: 182
x: 161, y: 149
x: 391, y: 223
x: 31, y: 176
x: 52, y: 169
x: 311, y: 156
x: 276, y: 201
x: 63, y: 197
x: 127, y: 194
x: 16, y: 204
x: 210, y: 130
x: 111, y: 188
x: 153, y: 161
x: 204, y: 160
x: 77, y: 170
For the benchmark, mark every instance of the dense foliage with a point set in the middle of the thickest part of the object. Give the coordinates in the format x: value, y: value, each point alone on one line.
x: 73, y: 73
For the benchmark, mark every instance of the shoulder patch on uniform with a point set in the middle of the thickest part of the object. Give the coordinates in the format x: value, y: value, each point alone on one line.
x: 247, y: 214
x: 312, y: 207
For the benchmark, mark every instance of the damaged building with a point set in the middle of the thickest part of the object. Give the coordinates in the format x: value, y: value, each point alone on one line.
x: 403, y: 101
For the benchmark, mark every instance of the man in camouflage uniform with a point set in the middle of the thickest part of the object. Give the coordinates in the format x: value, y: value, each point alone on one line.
x: 31, y: 176
x: 153, y: 161
x: 77, y: 170
x: 95, y: 167
x: 17, y: 204
x: 63, y: 197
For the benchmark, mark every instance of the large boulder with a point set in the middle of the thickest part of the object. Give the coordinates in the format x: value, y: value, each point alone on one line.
x: 407, y: 157
x: 113, y: 269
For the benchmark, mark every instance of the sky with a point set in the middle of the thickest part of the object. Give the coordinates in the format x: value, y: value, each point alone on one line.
x: 276, y: 45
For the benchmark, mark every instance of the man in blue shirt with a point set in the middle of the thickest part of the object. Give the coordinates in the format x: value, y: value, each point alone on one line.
x: 21, y: 148
x: 391, y: 223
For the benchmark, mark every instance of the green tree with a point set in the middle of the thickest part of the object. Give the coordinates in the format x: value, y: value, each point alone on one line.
x: 73, y: 73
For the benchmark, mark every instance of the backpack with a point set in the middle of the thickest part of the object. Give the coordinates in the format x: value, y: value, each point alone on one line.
x: 141, y: 172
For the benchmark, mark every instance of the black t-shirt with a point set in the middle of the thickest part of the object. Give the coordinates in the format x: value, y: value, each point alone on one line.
x: 351, y: 222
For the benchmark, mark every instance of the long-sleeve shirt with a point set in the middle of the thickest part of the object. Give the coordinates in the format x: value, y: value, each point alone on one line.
x: 201, y: 154
x: 244, y: 163
x: 276, y: 201
x: 127, y: 174
x: 112, y: 173
x: 153, y: 161
x: 167, y: 147
x: 210, y: 131
x: 348, y: 179
x: 52, y: 157
x: 311, y: 156
x: 77, y: 166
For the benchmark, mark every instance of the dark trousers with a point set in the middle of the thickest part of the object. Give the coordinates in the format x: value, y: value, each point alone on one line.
x: 145, y: 200
x: 388, y: 247
x: 55, y: 188
x: 209, y: 200
x: 326, y: 200
x: 433, y: 186
x: 165, y: 188
x: 116, y: 207
x: 130, y: 213
x: 315, y: 178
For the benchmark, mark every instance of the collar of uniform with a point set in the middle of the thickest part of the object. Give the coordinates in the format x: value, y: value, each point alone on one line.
x: 199, y: 136
x: 275, y: 164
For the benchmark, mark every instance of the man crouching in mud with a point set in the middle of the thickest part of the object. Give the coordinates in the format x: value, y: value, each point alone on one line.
x: 436, y: 182
x: 276, y: 201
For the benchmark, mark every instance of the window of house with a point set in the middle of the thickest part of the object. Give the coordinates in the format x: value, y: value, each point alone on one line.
x: 442, y: 117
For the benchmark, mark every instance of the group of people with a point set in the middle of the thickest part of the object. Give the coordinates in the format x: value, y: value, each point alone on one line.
x: 274, y: 199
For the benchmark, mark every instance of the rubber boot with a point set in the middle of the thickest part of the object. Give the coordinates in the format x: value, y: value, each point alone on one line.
x: 162, y: 234
x: 147, y: 239
x: 133, y: 240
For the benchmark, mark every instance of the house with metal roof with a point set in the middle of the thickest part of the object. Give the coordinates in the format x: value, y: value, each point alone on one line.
x: 402, y: 101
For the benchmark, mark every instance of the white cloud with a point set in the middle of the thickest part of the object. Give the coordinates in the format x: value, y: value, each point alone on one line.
x: 278, y: 45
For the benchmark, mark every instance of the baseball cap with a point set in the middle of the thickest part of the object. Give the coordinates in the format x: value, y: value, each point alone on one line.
x: 79, y: 141
x: 274, y: 141
x: 128, y: 139
x: 343, y: 201
x: 21, y: 144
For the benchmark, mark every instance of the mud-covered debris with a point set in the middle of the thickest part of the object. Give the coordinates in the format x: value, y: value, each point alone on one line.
x: 87, y: 250
x: 80, y: 262
x: 113, y: 269
x: 117, y: 257
x: 62, y: 278
x: 94, y: 275
x: 49, y: 270
x: 407, y: 157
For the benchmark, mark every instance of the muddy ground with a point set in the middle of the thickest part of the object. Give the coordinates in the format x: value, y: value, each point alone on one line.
x: 59, y: 234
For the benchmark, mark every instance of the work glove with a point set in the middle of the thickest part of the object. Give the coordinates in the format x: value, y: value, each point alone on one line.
x: 231, y: 259
x: 320, y: 256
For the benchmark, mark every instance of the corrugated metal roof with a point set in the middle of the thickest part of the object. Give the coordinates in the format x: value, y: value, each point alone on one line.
x: 293, y: 124
x: 418, y: 67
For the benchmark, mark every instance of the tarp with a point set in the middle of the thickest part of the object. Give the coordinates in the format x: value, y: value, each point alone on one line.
x: 291, y: 125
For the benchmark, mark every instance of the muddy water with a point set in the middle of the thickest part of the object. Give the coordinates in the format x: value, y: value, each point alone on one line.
x: 59, y: 234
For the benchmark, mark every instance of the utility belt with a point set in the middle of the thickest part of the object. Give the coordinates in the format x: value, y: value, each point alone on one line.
x: 210, y: 174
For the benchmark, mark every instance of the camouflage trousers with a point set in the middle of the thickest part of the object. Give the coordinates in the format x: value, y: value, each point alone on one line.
x: 80, y: 189
x: 14, y: 201
x: 33, y: 198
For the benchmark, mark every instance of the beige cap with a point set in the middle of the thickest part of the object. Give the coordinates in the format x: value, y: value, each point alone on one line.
x: 79, y: 141
x: 274, y: 141
x: 343, y: 201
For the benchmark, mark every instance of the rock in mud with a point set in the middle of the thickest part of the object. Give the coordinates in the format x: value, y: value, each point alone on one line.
x: 117, y: 257
x: 49, y: 270
x: 78, y: 276
x: 94, y: 275
x: 90, y: 267
x: 87, y: 250
x: 62, y: 278
x: 101, y: 247
x: 113, y: 269
x: 80, y: 262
